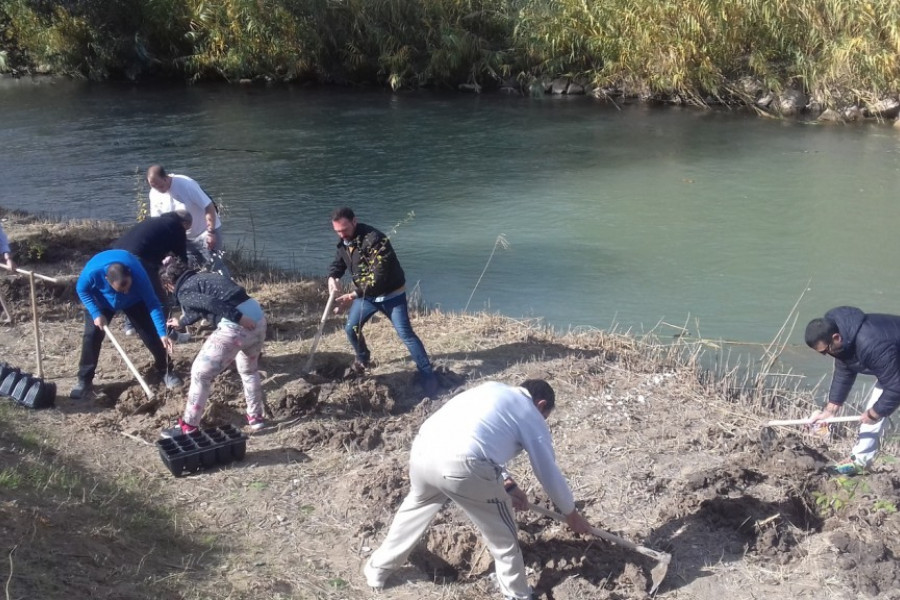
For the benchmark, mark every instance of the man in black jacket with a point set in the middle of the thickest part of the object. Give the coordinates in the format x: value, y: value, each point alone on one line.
x: 860, y: 343
x: 152, y: 240
x: 379, y: 286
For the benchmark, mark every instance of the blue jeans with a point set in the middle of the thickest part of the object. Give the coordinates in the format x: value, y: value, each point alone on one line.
x: 395, y: 309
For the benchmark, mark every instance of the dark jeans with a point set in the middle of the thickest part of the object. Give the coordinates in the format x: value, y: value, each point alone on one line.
x: 93, y: 338
x: 395, y: 309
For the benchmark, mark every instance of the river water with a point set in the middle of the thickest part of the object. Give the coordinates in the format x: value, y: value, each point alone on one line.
x: 632, y: 217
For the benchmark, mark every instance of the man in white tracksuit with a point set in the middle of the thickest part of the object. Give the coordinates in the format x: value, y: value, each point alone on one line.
x: 459, y: 454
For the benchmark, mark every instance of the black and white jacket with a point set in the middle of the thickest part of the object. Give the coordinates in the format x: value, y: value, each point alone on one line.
x: 208, y: 295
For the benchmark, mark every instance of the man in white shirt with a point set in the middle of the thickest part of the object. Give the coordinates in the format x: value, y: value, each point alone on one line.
x: 459, y: 455
x: 170, y: 192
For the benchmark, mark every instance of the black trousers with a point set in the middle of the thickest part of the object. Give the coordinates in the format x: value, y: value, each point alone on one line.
x: 93, y: 338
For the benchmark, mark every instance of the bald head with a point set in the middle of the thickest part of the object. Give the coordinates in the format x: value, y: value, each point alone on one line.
x: 158, y: 179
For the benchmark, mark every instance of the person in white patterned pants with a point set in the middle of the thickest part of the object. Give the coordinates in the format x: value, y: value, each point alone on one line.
x: 229, y: 342
x: 238, y: 337
x: 459, y: 455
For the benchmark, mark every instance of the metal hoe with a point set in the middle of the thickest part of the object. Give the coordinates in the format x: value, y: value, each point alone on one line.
x: 657, y: 573
x: 315, y: 344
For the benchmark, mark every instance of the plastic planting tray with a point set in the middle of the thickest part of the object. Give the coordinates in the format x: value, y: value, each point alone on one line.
x: 202, y: 449
x: 26, y: 389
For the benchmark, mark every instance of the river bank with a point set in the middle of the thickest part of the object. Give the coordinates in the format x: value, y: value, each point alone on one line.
x: 654, y: 448
x: 831, y: 61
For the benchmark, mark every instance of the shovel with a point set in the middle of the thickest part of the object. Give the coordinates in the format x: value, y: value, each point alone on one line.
x: 315, y: 344
x: 657, y: 573
x: 128, y: 362
x: 808, y: 422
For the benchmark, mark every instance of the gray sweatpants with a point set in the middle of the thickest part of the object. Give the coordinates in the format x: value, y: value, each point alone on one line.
x: 474, y: 484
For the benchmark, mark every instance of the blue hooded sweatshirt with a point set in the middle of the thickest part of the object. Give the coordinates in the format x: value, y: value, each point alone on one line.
x: 97, y: 295
x: 870, y: 346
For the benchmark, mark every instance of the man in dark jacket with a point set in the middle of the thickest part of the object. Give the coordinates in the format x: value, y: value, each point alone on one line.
x: 379, y: 286
x: 152, y: 240
x: 860, y: 343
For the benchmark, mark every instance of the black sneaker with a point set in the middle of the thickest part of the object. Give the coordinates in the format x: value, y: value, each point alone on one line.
x: 81, y: 390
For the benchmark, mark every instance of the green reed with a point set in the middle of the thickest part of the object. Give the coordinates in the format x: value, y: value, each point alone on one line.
x: 698, y: 50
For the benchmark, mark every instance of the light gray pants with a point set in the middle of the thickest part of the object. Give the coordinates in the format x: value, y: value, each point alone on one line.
x: 869, y: 441
x: 474, y: 484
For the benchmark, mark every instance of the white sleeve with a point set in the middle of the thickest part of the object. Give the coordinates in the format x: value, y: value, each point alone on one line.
x: 195, y: 195
x: 4, y: 241
x: 157, y: 203
x: 543, y: 460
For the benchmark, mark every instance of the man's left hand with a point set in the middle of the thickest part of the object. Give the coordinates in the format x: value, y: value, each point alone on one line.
x: 167, y: 344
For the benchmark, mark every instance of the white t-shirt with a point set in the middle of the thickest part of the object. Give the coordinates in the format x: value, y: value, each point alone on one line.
x: 496, y: 421
x: 183, y: 194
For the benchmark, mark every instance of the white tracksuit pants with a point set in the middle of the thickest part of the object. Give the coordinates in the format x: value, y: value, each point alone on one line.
x: 869, y: 441
x: 474, y: 484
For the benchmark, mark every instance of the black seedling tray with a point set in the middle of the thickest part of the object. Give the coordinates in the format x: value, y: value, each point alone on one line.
x: 25, y: 388
x: 202, y: 449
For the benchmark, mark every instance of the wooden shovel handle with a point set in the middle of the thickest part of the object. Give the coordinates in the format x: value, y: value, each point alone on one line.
x: 808, y: 422
x: 315, y: 344
x: 24, y: 272
x: 128, y: 362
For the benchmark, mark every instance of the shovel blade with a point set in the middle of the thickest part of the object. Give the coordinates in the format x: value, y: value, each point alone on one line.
x: 658, y: 573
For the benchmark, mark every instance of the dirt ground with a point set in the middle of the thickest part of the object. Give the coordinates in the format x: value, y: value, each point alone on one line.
x: 654, y: 450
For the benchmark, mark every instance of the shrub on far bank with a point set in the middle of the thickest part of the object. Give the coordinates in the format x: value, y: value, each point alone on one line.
x: 835, y: 53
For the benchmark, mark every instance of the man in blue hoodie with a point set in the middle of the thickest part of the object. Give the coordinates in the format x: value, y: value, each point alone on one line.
x: 111, y: 281
x: 859, y: 343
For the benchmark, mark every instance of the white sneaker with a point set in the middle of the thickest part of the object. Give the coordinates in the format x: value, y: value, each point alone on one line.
x: 129, y: 330
x: 375, y: 576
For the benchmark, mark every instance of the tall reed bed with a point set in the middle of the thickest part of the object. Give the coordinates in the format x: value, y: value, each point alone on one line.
x: 840, y: 52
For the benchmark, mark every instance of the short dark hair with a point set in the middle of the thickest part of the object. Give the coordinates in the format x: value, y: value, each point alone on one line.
x: 171, y: 272
x: 820, y: 330
x: 117, y: 273
x: 342, y: 213
x: 540, y: 390
x: 184, y: 216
